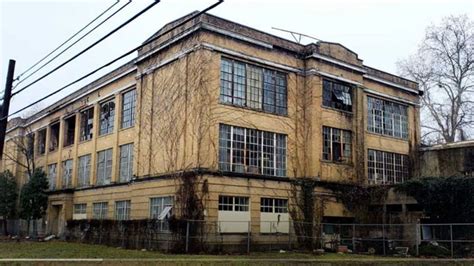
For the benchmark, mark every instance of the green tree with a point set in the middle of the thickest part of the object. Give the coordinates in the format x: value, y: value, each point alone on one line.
x: 34, y: 199
x: 8, y: 196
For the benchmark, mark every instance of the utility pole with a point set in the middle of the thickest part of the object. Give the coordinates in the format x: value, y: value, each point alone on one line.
x: 6, y: 104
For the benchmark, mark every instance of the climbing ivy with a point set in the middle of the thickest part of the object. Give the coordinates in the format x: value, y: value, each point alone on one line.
x: 444, y: 200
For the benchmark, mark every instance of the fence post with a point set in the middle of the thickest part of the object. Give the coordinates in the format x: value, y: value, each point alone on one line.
x: 417, y: 238
x: 187, y: 236
x: 289, y: 235
x: 383, y: 239
x: 451, y: 234
x: 248, y: 238
x: 353, y: 239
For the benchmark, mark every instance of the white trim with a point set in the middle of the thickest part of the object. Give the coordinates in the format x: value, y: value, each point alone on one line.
x: 337, y: 62
x: 389, y: 83
x: 237, y: 36
x: 250, y: 58
x: 398, y: 99
x: 314, y: 71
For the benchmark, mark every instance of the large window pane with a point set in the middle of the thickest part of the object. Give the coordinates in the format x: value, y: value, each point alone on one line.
x: 107, y: 117
x: 128, y: 108
x: 387, y: 167
x: 387, y: 118
x: 126, y: 162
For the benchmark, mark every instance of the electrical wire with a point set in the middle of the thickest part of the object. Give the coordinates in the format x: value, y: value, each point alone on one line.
x: 89, y: 47
x: 118, y: 58
x: 62, y: 44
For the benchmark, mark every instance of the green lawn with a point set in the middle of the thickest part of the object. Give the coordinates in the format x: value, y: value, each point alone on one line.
x: 56, y: 250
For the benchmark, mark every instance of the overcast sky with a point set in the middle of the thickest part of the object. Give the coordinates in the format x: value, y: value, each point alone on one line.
x: 379, y: 31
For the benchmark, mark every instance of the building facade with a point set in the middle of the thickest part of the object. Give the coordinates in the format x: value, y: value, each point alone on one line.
x: 251, y: 111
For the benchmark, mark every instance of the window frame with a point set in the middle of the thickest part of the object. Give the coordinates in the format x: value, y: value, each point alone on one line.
x: 132, y: 109
x: 328, y: 151
x: 80, y: 208
x: 126, y: 208
x: 52, y: 180
x: 269, y: 205
x: 104, y: 176
x: 100, y: 210
x: 241, y: 88
x: 382, y: 113
x: 84, y: 170
x: 41, y: 141
x: 110, y: 120
x: 129, y: 162
x: 328, y: 101
x: 69, y: 130
x: 67, y: 175
x: 86, y: 129
x: 233, y: 203
x: 379, y: 173
x: 238, y: 152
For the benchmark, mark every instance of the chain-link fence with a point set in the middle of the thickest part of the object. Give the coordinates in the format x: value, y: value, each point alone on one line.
x: 443, y: 240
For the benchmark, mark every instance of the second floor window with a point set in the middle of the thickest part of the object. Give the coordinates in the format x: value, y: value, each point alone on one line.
x: 387, y: 167
x: 87, y: 124
x: 126, y: 162
x: 387, y: 118
x: 252, y: 151
x: 104, y: 167
x: 67, y: 174
x: 54, y: 136
x: 337, y: 95
x: 337, y: 145
x: 128, y: 108
x: 252, y: 86
x: 107, y: 117
x: 52, y: 176
x: 84, y: 170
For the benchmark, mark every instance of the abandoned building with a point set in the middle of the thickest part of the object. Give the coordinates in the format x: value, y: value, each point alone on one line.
x: 249, y: 110
x: 445, y: 160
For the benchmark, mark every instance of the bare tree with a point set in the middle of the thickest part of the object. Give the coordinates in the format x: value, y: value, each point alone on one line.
x: 444, y: 68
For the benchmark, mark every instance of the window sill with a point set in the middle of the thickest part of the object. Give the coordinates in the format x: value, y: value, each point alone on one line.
x: 337, y: 110
x: 85, y: 141
x: 337, y: 163
x: 252, y: 109
x: 68, y: 146
x: 386, y: 136
x: 126, y: 128
x: 105, y: 135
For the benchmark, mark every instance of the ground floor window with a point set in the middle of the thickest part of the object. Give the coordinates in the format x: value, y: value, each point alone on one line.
x: 274, y: 216
x: 161, y: 210
x: 233, y: 214
x: 80, y: 211
x: 99, y: 210
x: 122, y: 210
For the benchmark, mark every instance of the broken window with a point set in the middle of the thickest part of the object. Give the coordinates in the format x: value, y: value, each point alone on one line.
x: 161, y: 209
x: 87, y: 123
x: 107, y: 117
x: 67, y: 174
x: 41, y: 141
x: 104, y: 167
x: 387, y: 167
x: 387, y: 118
x: 128, y: 108
x: 54, y: 136
x: 337, y: 95
x: 69, y: 130
x: 337, y: 144
x: 252, y: 86
x: 252, y: 151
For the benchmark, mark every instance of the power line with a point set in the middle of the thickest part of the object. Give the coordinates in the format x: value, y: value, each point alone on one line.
x: 118, y: 58
x: 78, y: 40
x: 89, y: 47
x: 74, y: 35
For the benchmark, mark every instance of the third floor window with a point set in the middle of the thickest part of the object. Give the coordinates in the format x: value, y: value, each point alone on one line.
x: 387, y: 118
x: 87, y: 123
x: 252, y: 86
x: 128, y: 108
x: 337, y: 95
x: 336, y: 145
x: 107, y: 117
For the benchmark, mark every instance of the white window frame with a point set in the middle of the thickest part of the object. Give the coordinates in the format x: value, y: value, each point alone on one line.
x: 380, y: 172
x: 398, y: 122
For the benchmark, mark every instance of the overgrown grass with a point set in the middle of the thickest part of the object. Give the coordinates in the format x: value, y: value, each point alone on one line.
x: 59, y: 249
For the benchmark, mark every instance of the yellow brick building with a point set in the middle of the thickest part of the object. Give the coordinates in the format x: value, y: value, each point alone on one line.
x: 250, y: 110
